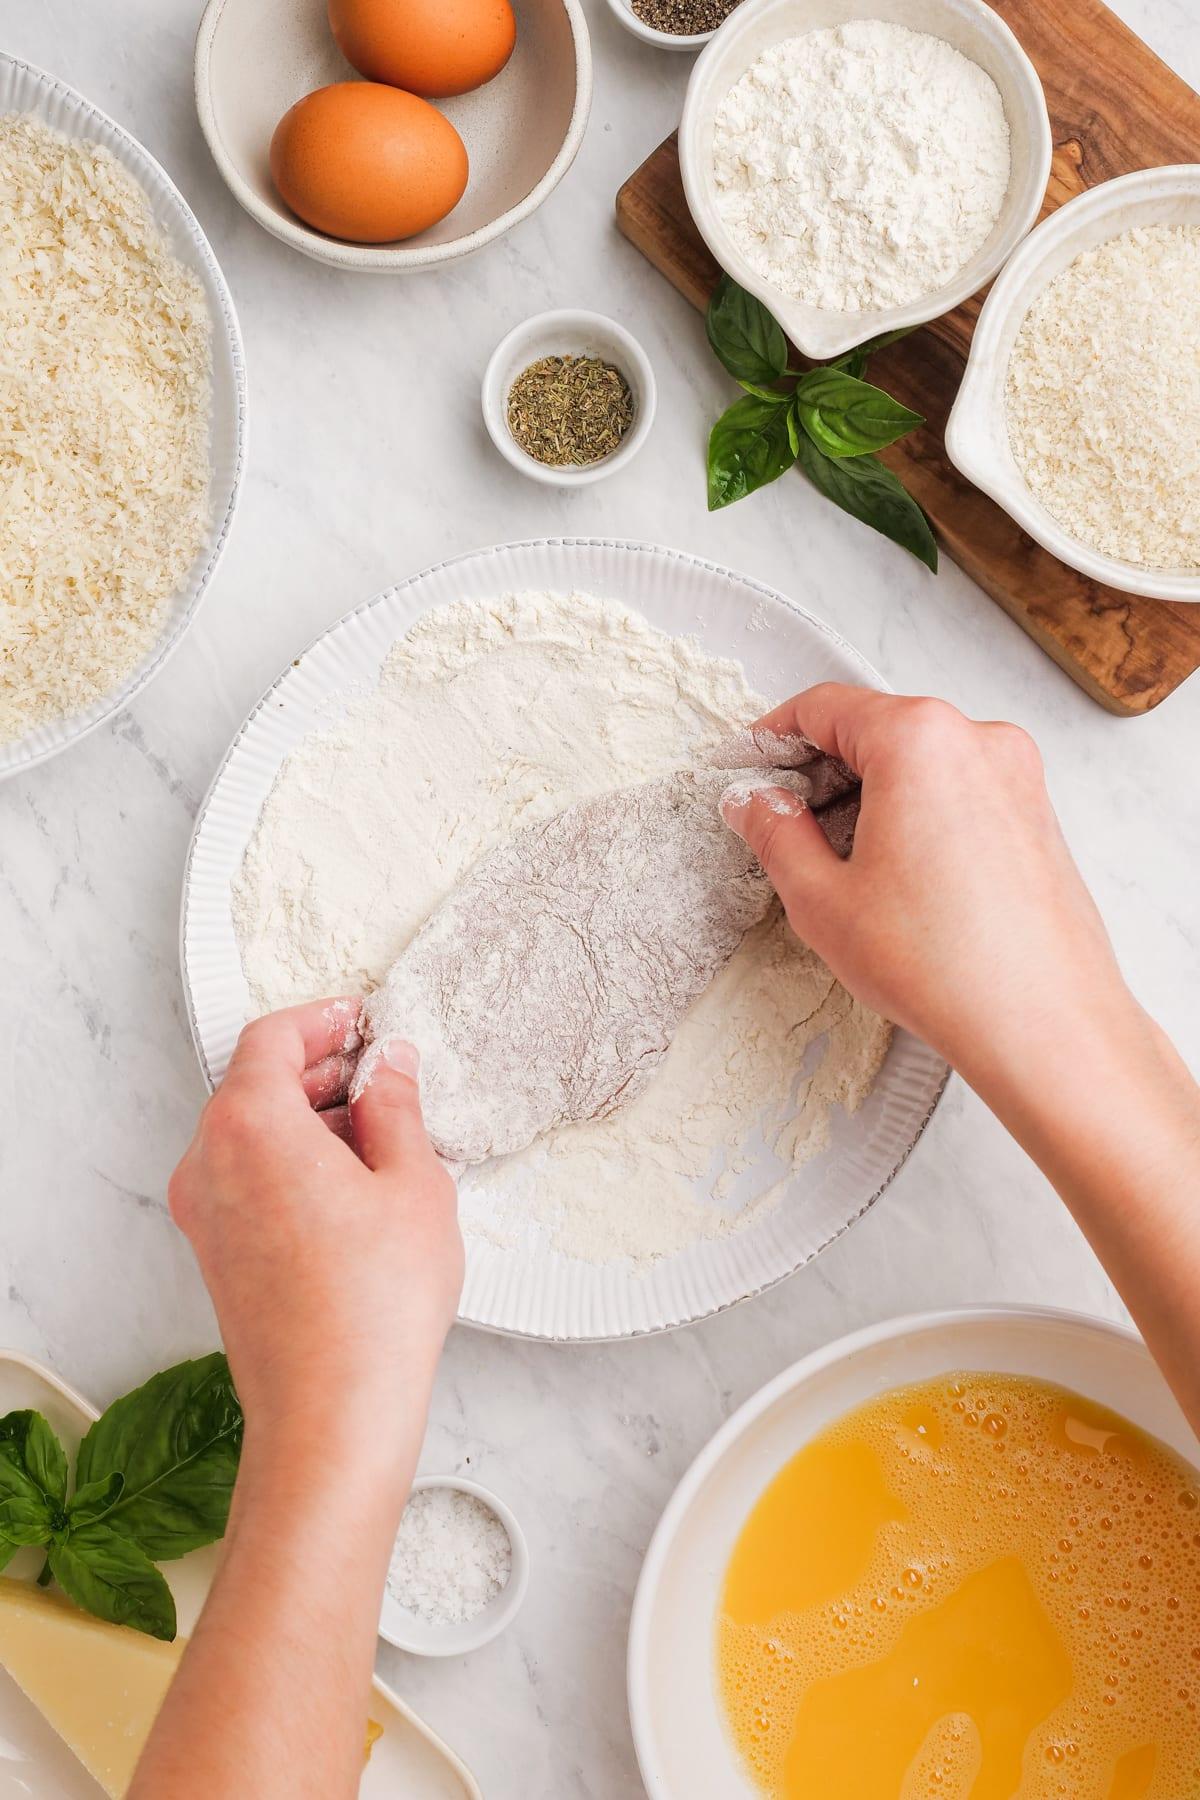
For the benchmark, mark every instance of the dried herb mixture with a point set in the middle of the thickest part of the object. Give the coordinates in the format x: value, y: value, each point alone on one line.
x: 569, y: 411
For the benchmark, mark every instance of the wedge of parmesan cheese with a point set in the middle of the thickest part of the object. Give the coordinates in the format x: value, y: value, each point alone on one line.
x: 100, y: 1686
x: 105, y: 353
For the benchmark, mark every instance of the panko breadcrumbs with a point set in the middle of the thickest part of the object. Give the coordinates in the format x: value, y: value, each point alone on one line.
x: 1103, y: 397
x: 105, y: 355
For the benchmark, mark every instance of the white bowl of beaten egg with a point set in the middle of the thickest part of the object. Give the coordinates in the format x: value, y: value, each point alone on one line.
x: 521, y: 129
x: 876, y: 1595
x: 1109, y: 329
x: 835, y: 324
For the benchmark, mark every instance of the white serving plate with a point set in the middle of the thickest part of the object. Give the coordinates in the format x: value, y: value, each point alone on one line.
x: 977, y: 429
x: 407, y: 1760
x: 682, y: 1746
x: 970, y: 26
x: 24, y: 89
x: 256, y: 58
x: 542, y: 1293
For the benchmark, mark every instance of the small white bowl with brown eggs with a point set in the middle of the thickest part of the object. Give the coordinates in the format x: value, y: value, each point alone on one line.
x: 255, y: 59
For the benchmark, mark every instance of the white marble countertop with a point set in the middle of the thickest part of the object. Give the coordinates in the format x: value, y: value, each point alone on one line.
x: 367, y: 461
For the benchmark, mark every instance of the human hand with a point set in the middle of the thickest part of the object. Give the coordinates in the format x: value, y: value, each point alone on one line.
x: 960, y: 913
x: 335, y: 1270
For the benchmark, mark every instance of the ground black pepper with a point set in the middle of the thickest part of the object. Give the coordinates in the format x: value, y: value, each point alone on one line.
x: 683, y: 18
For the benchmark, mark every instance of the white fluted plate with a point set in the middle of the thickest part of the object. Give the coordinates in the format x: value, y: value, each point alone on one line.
x: 530, y: 1289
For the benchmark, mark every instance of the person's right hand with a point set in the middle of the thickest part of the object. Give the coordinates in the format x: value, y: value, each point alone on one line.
x: 960, y: 913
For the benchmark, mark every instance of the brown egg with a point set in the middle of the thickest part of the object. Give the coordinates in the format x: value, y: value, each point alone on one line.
x: 366, y: 162
x: 434, y: 47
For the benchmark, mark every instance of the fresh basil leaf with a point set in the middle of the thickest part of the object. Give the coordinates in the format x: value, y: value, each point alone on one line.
x: 176, y: 1441
x: 25, y: 1519
x: 16, y: 1483
x: 7, y: 1552
x: 885, y: 338
x: 14, y: 1429
x: 855, y: 361
x: 15, y: 1480
x: 32, y: 1464
x: 748, y: 446
x: 45, y: 1459
x: 92, y: 1502
x: 847, y: 417
x: 108, y: 1576
x: 864, y: 488
x: 744, y: 335
x: 762, y: 393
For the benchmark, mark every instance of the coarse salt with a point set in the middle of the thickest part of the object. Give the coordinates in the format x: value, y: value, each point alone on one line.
x: 452, y: 1556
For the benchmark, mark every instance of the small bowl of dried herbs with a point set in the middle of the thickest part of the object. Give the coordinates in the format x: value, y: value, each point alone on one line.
x: 673, y: 24
x: 568, y: 397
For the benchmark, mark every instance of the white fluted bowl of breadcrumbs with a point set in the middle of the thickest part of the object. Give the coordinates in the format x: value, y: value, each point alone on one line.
x: 122, y: 416
x: 1079, y: 412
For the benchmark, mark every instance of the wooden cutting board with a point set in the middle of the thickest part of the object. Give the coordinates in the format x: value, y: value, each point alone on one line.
x: 1114, y: 106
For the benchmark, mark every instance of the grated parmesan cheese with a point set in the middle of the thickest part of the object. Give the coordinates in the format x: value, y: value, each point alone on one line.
x: 105, y: 352
x: 1103, y: 397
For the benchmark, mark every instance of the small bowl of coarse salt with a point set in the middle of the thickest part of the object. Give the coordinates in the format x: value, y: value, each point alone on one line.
x: 458, y: 1572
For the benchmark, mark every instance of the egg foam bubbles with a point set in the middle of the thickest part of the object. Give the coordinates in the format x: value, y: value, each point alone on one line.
x: 975, y: 1588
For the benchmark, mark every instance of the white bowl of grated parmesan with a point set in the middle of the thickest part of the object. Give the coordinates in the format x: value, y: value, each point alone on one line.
x: 1079, y: 412
x: 122, y: 439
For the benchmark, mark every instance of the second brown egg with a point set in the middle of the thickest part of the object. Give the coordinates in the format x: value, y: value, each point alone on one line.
x: 364, y: 161
x: 431, y: 47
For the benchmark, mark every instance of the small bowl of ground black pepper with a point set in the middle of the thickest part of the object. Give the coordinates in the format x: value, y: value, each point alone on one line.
x: 673, y: 24
x: 568, y: 397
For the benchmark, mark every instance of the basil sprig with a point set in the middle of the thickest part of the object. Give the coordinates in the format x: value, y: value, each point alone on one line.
x: 847, y: 417
x: 153, y: 1479
x: 864, y: 488
x: 745, y: 336
x: 751, y: 444
x: 176, y: 1442
x: 830, y: 421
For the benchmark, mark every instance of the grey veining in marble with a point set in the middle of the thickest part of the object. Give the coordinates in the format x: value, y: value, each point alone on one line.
x: 369, y: 460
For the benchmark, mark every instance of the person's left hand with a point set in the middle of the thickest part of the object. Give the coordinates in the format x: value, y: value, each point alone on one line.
x: 329, y: 1240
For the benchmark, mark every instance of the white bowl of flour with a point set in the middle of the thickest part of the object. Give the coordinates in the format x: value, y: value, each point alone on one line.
x: 417, y: 734
x: 862, y: 166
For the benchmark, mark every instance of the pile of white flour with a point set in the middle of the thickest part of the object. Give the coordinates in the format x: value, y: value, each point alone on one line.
x: 493, y: 714
x: 861, y: 166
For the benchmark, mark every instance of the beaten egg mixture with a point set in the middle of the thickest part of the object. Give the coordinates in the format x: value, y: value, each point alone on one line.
x: 974, y: 1589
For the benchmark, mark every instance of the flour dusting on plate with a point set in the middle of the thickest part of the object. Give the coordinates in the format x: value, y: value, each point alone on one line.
x: 497, y: 713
